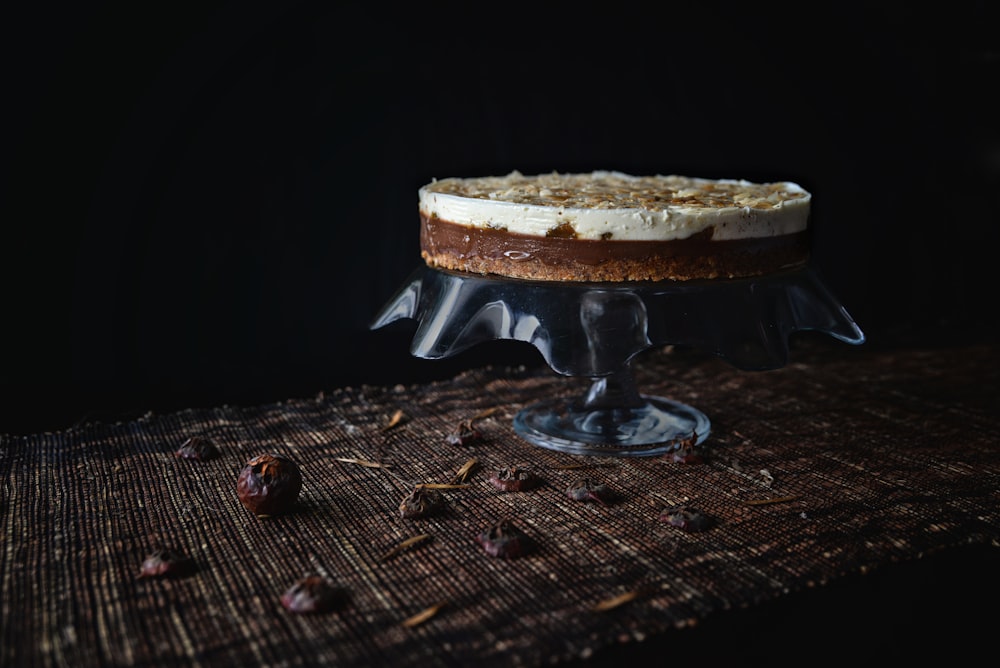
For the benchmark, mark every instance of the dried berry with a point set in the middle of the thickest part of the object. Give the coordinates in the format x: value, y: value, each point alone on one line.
x: 421, y: 502
x: 686, y: 456
x: 505, y: 540
x: 514, y: 479
x: 165, y: 562
x: 463, y: 434
x: 685, y: 452
x: 687, y: 518
x: 311, y: 594
x: 269, y: 484
x: 585, y: 489
x: 200, y: 448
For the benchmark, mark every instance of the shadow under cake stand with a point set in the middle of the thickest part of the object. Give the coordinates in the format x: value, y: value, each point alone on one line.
x: 594, y: 330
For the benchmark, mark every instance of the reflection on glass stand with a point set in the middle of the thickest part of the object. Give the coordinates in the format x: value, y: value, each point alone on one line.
x: 594, y: 330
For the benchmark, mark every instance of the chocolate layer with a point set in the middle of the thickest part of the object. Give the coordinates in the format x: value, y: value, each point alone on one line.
x: 558, y: 258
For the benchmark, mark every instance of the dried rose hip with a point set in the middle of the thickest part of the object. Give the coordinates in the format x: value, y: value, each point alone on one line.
x: 421, y: 502
x: 311, y: 594
x: 585, y: 489
x: 505, y: 540
x: 269, y: 484
x: 687, y: 518
x: 463, y: 434
x: 685, y: 452
x: 166, y: 562
x: 514, y: 479
x: 200, y: 448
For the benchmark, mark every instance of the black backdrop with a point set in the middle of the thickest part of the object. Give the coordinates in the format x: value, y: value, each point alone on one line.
x: 207, y: 204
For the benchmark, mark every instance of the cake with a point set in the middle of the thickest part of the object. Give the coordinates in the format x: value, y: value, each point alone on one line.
x: 607, y: 226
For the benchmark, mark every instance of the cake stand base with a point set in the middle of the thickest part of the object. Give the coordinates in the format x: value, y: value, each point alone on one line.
x: 656, y: 427
x: 612, y: 420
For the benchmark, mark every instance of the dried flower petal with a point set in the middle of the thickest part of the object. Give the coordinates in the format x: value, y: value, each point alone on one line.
x: 406, y: 544
x: 514, y: 479
x: 505, y: 540
x: 423, y: 615
x: 687, y: 518
x: 616, y: 601
x: 311, y: 594
x: 463, y: 473
x: 200, y: 448
x: 766, y: 502
x: 361, y: 462
x: 395, y: 420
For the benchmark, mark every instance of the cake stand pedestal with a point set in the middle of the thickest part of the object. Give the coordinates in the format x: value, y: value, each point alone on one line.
x: 594, y: 330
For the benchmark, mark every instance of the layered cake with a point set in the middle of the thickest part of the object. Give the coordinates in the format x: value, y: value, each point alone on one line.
x: 606, y: 226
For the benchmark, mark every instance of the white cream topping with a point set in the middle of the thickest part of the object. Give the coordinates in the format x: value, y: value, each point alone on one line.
x: 617, y: 206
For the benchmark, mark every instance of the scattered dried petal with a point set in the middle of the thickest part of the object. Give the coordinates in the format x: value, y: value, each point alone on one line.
x: 687, y: 518
x: 585, y: 489
x: 505, y: 540
x: 765, y: 502
x: 166, y: 562
x: 395, y: 420
x: 463, y: 473
x: 421, y: 502
x: 311, y: 594
x: 408, y: 543
x: 514, y: 479
x: 615, y: 601
x: 423, y: 615
x: 199, y: 448
x: 362, y: 462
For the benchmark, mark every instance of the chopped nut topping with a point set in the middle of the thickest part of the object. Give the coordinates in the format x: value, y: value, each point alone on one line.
x: 614, y: 190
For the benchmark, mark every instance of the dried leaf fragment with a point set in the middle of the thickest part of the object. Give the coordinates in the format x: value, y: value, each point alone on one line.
x: 423, y: 615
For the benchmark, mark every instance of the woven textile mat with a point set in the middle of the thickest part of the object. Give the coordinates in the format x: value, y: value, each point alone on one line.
x: 845, y: 460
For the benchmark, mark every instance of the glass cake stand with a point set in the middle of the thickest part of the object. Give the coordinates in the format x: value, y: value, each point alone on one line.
x: 594, y: 330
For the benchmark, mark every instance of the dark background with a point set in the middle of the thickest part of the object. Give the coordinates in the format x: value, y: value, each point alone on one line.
x: 208, y: 203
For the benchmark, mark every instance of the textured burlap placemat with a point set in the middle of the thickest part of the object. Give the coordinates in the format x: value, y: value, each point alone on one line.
x: 846, y: 460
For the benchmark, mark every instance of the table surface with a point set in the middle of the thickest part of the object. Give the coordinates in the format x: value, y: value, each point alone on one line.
x: 853, y: 493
